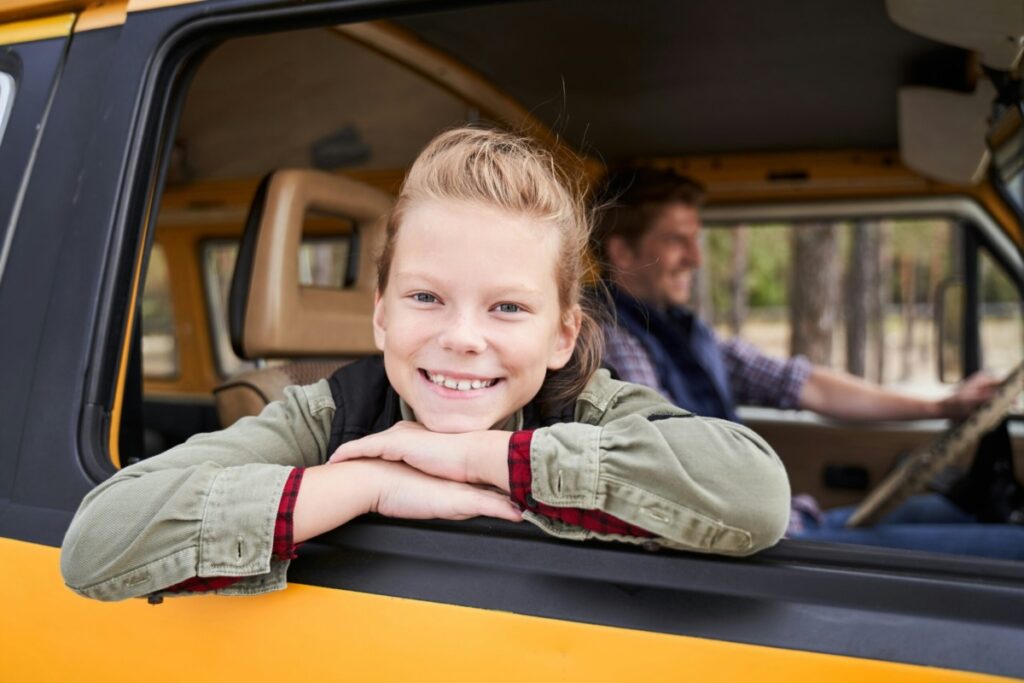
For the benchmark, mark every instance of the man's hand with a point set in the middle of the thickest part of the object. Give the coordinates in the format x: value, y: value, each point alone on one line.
x: 971, y: 393
x: 471, y: 457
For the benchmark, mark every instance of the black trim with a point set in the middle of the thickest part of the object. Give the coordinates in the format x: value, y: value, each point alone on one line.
x: 241, y: 278
x: 237, y: 384
x: 972, y: 297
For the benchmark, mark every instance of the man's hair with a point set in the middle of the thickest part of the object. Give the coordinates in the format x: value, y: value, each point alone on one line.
x: 631, y: 197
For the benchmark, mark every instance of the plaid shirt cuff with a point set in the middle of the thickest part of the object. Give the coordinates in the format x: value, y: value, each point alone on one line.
x: 283, y: 549
x: 520, y: 480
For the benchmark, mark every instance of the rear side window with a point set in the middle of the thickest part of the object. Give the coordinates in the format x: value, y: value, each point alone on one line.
x: 159, y: 331
x: 323, y: 262
x: 6, y: 101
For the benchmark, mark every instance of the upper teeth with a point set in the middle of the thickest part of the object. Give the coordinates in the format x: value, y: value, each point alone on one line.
x: 459, y: 384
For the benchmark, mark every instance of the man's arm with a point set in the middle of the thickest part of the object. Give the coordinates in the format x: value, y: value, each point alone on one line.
x: 840, y: 395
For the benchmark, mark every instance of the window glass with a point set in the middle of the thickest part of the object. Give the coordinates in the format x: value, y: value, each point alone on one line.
x: 323, y: 262
x: 857, y: 296
x: 1001, y: 326
x: 6, y: 100
x: 159, y: 346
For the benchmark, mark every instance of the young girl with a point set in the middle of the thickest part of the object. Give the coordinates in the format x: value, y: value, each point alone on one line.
x: 487, y: 401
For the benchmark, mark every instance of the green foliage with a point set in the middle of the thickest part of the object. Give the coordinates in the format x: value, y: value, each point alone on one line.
x: 768, y: 257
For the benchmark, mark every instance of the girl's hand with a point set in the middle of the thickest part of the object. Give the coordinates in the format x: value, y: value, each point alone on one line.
x: 331, y: 495
x: 410, y: 494
x: 472, y: 457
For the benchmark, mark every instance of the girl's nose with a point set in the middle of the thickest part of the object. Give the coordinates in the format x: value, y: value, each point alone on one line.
x: 463, y: 335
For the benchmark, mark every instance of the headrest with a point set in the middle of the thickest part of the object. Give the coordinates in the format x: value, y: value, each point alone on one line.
x: 270, y: 315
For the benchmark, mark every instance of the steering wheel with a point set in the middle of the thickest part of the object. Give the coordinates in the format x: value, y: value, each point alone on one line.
x: 951, y: 447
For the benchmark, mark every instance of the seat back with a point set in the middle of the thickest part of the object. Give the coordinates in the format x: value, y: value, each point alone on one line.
x: 271, y: 315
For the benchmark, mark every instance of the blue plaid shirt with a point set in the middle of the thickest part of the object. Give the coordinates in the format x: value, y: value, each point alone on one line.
x: 755, y: 378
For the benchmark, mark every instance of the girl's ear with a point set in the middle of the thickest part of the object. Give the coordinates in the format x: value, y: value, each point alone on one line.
x: 565, y: 341
x: 379, y: 320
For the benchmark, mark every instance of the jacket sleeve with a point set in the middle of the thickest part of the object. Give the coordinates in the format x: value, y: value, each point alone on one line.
x: 699, y: 484
x: 204, y: 508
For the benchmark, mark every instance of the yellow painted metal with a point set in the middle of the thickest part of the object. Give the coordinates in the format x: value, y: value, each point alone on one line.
x: 36, y: 29
x: 94, y: 14
x: 20, y: 10
x: 312, y: 633
x: 110, y: 13
x: 142, y: 5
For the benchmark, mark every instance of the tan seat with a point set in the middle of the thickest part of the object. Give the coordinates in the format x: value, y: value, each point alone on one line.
x: 271, y: 316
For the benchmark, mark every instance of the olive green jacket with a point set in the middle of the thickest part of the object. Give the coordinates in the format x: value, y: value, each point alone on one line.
x: 208, y: 506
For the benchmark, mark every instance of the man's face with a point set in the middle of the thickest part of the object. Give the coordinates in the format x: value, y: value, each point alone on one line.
x: 659, y: 269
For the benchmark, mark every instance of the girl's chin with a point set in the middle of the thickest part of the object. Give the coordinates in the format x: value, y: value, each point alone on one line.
x: 454, y: 424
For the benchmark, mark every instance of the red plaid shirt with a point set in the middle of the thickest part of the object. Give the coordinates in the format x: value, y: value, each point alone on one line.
x: 520, y: 481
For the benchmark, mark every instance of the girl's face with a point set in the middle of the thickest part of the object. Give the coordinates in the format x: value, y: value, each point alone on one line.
x: 470, y: 320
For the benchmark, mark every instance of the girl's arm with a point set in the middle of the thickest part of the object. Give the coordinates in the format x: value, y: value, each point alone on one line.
x: 696, y: 483
x: 211, y: 508
x: 632, y: 467
x: 207, y: 507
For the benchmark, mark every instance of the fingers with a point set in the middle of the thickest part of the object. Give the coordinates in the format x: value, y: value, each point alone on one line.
x: 391, y: 444
x: 490, y: 504
x: 366, y: 447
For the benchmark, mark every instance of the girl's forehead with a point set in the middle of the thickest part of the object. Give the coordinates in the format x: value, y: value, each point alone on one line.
x: 475, y: 241
x: 476, y: 224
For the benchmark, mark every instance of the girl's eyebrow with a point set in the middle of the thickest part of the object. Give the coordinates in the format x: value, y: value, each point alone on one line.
x: 498, y: 290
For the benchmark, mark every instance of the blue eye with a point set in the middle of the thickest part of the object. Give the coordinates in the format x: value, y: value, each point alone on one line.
x: 424, y: 298
x: 508, y: 308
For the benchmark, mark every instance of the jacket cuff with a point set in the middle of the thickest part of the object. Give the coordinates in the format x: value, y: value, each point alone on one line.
x: 521, y: 492
x: 565, y: 465
x: 237, y: 536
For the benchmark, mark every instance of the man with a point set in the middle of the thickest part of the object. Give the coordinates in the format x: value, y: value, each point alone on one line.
x: 649, y: 239
x: 648, y: 232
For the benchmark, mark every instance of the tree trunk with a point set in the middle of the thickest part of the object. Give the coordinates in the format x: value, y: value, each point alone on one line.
x: 936, y: 266
x: 861, y: 282
x: 738, y: 281
x: 908, y: 291
x: 700, y: 297
x: 881, y: 296
x: 813, y: 294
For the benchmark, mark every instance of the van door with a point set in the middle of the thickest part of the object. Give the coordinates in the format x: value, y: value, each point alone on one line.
x: 32, y: 55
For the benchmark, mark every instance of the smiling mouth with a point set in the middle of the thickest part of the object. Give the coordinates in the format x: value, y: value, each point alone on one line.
x: 458, y: 384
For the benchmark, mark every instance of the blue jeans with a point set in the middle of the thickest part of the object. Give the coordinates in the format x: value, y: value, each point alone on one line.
x: 926, y: 522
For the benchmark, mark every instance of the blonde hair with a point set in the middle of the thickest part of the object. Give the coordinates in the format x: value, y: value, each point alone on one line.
x: 514, y: 174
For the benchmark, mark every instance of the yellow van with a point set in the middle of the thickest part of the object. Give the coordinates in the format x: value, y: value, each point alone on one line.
x: 142, y: 142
